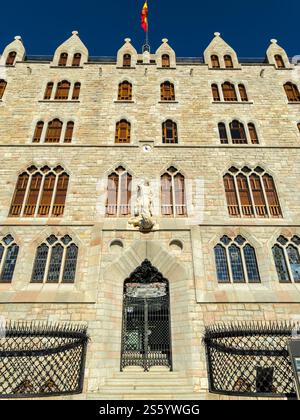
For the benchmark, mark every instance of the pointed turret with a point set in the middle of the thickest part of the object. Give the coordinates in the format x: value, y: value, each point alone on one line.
x: 220, y: 54
x: 72, y: 48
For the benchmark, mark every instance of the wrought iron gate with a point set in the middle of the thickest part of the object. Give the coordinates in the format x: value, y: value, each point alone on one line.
x: 146, y: 332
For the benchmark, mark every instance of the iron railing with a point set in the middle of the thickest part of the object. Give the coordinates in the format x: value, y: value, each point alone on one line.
x: 250, y: 360
x: 40, y: 360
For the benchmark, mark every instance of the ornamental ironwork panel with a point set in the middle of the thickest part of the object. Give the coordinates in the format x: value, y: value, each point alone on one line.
x: 250, y: 360
x: 146, y: 332
x: 40, y: 360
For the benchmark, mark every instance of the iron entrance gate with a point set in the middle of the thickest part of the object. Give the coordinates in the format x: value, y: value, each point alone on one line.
x: 146, y: 334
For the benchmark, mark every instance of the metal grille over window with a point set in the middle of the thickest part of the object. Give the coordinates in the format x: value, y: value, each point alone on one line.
x: 287, y: 259
x: 9, y: 251
x: 40, y: 360
x: 55, y: 261
x: 250, y: 360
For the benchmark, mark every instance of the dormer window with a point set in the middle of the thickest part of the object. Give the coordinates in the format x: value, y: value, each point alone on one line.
x: 279, y: 62
x: 165, y: 61
x: 2, y: 88
x: 63, y: 60
x: 127, y: 60
x: 76, y: 60
x: 215, y: 63
x: 10, y: 61
x: 228, y: 62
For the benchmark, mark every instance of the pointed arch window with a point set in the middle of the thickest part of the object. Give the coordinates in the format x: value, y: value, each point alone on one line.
x: 55, y: 261
x: 62, y: 90
x: 54, y: 130
x: 173, y: 195
x: 11, y: 58
x: 127, y: 60
x: 236, y: 261
x: 251, y: 193
x: 229, y: 92
x: 238, y: 133
x: 125, y: 91
x: 63, y: 59
x: 253, y: 133
x: 76, y: 60
x: 215, y: 93
x: 215, y: 62
x: 223, y: 133
x: 292, y: 92
x: 3, y: 85
x: 48, y: 91
x: 243, y: 93
x: 9, y: 251
x: 40, y: 193
x: 119, y: 191
x: 167, y: 91
x: 76, y: 91
x: 170, y: 134
x: 38, y: 132
x: 123, y: 132
x: 165, y: 61
x: 69, y: 132
x: 279, y: 61
x: 228, y: 61
x: 287, y: 259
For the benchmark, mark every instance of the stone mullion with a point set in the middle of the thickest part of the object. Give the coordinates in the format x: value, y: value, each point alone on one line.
x: 39, y: 196
x: 53, y: 195
x: 62, y: 266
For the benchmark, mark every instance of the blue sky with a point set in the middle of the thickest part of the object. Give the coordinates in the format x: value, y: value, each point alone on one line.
x: 189, y: 25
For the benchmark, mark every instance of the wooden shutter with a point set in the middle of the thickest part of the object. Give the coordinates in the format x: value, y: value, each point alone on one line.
x: 215, y: 92
x: 19, y: 195
x: 10, y: 61
x: 38, y: 132
x: 272, y: 197
x: 165, y: 61
x: 245, y: 197
x: 243, y: 93
x: 298, y: 126
x: 167, y: 91
x: 127, y: 60
x: 69, y: 132
x: 53, y: 131
x: 253, y: 133
x: 292, y: 92
x: 76, y: 91
x: 279, y: 62
x: 46, y: 198
x: 179, y: 190
x: 228, y: 62
x: 76, y: 60
x: 125, y: 194
x: 63, y: 59
x: 170, y: 132
x: 125, y: 91
x: 166, y: 195
x: 229, y: 92
x: 2, y: 88
x: 33, y: 195
x: 48, y: 91
x: 61, y: 195
x: 238, y: 133
x: 223, y: 133
x: 62, y: 91
x: 231, y: 196
x: 123, y: 132
x: 258, y: 196
x: 215, y: 62
x: 112, y: 195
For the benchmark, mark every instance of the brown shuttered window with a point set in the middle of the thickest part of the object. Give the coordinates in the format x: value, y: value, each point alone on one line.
x: 223, y: 133
x: 229, y: 92
x: 127, y: 60
x: 63, y: 60
x: 167, y: 91
x: 298, y: 125
x: 76, y: 60
x: 125, y: 91
x: 125, y: 194
x: 2, y: 88
x: 61, y: 195
x: 215, y: 92
x: 19, y: 195
x: 170, y: 132
x: 62, y: 91
x: 253, y: 133
x: 179, y: 189
x: 46, y: 197
x: 292, y: 92
x: 245, y: 197
x: 69, y: 132
x: 238, y: 133
x: 38, y: 132
x: 165, y: 61
x: 243, y: 93
x: 48, y: 91
x: 33, y: 194
x: 258, y: 196
x: 123, y: 129
x: 112, y: 195
x: 228, y: 62
x: 10, y: 61
x: 279, y: 62
x: 215, y: 62
x: 166, y: 195
x: 76, y: 91
x: 53, y: 131
x: 272, y: 197
x: 231, y: 196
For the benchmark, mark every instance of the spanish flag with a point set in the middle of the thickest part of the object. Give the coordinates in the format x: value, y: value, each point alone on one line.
x: 144, y: 17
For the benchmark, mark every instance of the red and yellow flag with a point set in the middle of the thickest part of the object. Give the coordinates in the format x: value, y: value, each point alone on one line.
x: 144, y: 17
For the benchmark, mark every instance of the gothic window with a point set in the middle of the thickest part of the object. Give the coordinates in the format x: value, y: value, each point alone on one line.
x: 236, y: 261
x: 3, y: 84
x: 215, y: 92
x: 55, y: 261
x: 287, y: 259
x: 119, y: 190
x: 125, y: 91
x: 62, y: 90
x: 38, y: 132
x: 69, y: 132
x: 279, y: 61
x: 40, y: 193
x: 53, y: 132
x: 253, y: 133
x: 167, y: 91
x: 228, y: 62
x: 76, y: 60
x: 251, y: 193
x: 223, y: 133
x: 123, y: 131
x: 8, y: 257
x: 215, y: 62
x: 229, y: 92
x: 238, y: 133
x: 127, y: 60
x: 169, y: 129
x: 173, y: 195
x: 63, y: 60
x: 243, y: 93
x: 292, y: 92
x: 165, y: 61
x: 48, y: 91
x: 10, y: 61
x: 76, y: 91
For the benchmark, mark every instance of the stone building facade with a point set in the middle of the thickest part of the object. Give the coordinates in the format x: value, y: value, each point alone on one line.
x: 181, y: 248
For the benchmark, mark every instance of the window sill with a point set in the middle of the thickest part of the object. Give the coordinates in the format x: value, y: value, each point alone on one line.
x: 126, y: 68
x: 294, y: 103
x: 60, y: 101
x: 224, y: 68
x: 66, y: 67
x: 124, y: 102
x: 234, y: 102
x: 166, y: 68
x: 168, y: 102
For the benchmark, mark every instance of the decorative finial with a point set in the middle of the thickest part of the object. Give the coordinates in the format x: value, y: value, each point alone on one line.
x: 165, y: 40
x: 217, y: 34
x: 18, y: 38
x: 127, y: 40
x: 274, y: 41
x: 74, y: 32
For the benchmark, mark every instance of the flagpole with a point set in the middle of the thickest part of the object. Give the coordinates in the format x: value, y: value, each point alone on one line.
x: 146, y: 46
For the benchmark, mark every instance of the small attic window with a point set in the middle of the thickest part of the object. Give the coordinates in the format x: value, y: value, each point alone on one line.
x: 10, y: 61
x: 76, y: 60
x: 127, y: 60
x: 215, y: 63
x: 279, y: 61
x: 228, y: 62
x: 165, y: 61
x: 63, y: 60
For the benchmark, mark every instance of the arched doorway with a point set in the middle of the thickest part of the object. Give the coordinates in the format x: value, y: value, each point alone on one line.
x: 146, y: 330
